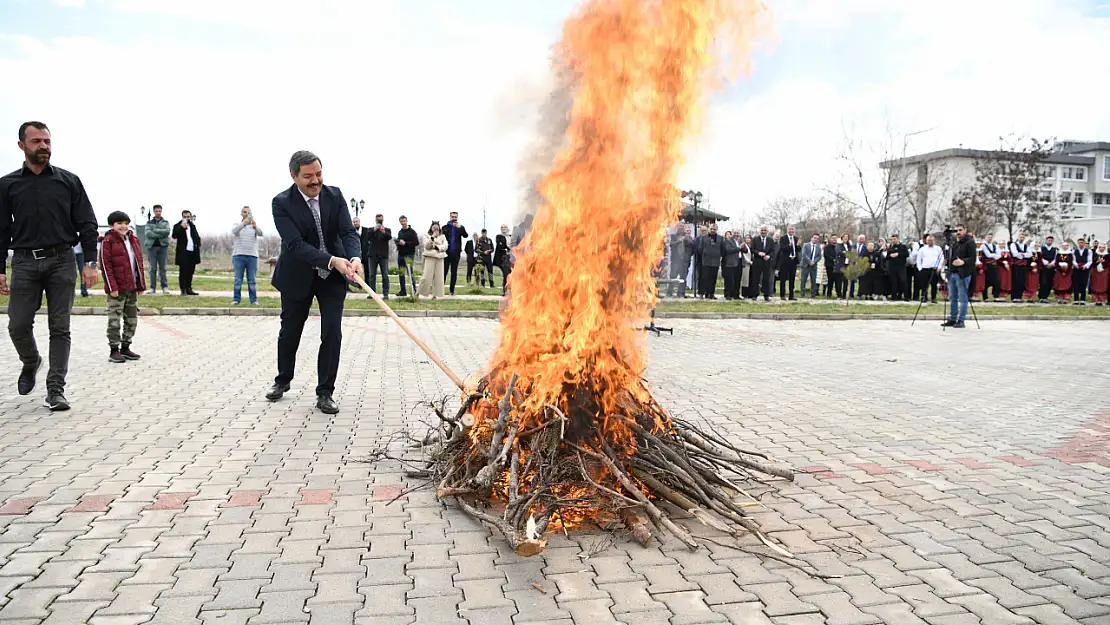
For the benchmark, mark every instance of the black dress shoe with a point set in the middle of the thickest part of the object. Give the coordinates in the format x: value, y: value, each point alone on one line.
x: 26, y: 382
x: 56, y: 401
x: 192, y: 293
x: 326, y: 405
x: 276, y: 391
x: 958, y: 324
x: 949, y: 323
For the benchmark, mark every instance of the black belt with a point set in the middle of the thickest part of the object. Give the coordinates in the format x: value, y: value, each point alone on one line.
x: 45, y: 252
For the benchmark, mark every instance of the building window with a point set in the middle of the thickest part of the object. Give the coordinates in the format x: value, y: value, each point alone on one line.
x: 1080, y: 173
x: 1096, y: 199
x: 1078, y: 198
x: 1065, y: 197
x: 1044, y: 196
x: 1065, y: 173
x: 1106, y: 167
x: 1048, y: 171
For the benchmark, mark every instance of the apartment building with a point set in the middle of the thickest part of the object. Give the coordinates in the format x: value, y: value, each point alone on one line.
x: 1077, y: 175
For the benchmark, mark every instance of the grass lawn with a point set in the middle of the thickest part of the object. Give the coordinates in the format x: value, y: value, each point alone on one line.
x: 687, y: 306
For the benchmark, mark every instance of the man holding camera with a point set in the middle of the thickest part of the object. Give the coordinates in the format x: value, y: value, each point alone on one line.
x: 961, y: 268
x: 378, y: 254
x: 187, y: 257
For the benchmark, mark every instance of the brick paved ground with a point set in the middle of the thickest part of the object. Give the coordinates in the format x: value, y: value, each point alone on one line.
x: 942, y: 489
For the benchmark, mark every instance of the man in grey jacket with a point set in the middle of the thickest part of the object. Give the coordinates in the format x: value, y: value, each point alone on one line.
x: 157, y: 236
x: 712, y: 248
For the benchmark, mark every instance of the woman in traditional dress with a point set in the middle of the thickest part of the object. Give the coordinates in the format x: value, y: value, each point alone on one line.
x: 979, y: 283
x: 1100, y: 276
x: 1005, y: 276
x: 1061, y: 282
x: 1032, y: 279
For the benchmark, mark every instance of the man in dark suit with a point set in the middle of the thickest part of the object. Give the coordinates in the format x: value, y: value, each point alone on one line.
x: 787, y: 263
x: 187, y: 255
x: 319, y: 246
x: 763, y: 262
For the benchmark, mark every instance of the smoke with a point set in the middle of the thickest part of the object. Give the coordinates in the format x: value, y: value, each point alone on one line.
x: 552, y: 119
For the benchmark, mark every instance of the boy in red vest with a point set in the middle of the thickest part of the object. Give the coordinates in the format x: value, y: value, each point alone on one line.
x: 121, y: 266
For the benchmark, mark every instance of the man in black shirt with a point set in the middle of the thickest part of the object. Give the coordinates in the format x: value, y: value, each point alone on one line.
x: 407, y: 241
x: 896, y: 255
x: 44, y: 212
x: 380, y: 236
x: 961, y: 268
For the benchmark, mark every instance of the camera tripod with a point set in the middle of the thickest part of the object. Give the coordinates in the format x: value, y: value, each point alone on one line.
x: 970, y: 304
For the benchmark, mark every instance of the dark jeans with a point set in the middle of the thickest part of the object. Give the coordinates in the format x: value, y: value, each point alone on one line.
x: 81, y: 263
x: 30, y: 278
x: 403, y: 264
x: 185, y: 277
x: 506, y: 269
x: 1017, y: 282
x: 837, y: 283
x: 157, y: 263
x: 488, y: 264
x: 375, y: 265
x: 330, y: 296
x: 451, y: 269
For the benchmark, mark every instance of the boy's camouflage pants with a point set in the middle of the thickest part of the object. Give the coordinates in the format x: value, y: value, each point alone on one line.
x: 125, y: 307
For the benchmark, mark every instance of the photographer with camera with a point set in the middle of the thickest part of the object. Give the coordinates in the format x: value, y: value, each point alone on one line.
x: 187, y: 256
x: 962, y: 253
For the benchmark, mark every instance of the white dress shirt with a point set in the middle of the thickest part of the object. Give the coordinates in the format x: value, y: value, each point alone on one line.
x: 929, y: 257
x: 308, y: 202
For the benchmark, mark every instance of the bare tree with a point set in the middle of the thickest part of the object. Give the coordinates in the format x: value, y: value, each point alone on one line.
x: 872, y: 195
x: 831, y: 216
x: 926, y: 187
x: 783, y: 211
x: 1008, y: 182
x: 974, y: 211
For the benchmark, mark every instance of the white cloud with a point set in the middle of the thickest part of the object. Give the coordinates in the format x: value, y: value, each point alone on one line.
x: 423, y: 117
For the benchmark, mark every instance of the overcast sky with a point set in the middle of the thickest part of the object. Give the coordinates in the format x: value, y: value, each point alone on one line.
x: 422, y: 106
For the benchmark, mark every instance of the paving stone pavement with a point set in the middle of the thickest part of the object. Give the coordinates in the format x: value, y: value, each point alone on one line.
x: 947, y: 478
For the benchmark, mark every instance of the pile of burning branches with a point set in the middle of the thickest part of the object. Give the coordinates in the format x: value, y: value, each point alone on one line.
x: 525, y: 474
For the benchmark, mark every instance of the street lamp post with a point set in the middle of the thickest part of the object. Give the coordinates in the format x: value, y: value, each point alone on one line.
x: 357, y: 206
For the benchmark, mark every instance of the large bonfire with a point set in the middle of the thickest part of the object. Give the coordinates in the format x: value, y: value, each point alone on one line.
x: 562, y: 428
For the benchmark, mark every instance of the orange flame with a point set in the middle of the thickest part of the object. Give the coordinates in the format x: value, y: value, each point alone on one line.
x: 584, y: 273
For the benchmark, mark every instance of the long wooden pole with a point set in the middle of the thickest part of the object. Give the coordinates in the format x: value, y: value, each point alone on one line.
x: 412, y: 335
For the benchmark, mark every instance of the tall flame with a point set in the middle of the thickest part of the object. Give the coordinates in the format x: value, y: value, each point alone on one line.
x: 584, y: 273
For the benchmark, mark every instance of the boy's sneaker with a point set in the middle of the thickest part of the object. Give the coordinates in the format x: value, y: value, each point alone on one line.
x: 125, y: 351
x: 116, y: 356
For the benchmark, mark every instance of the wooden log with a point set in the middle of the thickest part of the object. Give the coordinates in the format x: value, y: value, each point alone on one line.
x: 637, y: 525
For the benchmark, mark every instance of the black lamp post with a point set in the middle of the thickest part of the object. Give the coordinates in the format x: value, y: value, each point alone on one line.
x: 361, y: 206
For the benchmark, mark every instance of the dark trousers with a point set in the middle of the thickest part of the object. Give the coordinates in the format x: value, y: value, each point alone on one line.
x: 81, y: 263
x: 30, y: 278
x: 506, y: 269
x: 157, y: 266
x: 1047, y: 276
x: 786, y: 277
x: 910, y: 291
x: 185, y: 277
x: 897, y: 276
x: 765, y: 279
x: 697, y: 277
x: 709, y: 280
x: 1079, y: 280
x: 403, y: 265
x: 451, y: 269
x: 830, y: 281
x: 488, y: 264
x: 927, y: 283
x: 1017, y: 281
x: 471, y: 263
x: 330, y: 296
x: 837, y: 283
x: 993, y: 281
x: 732, y: 282
x: 375, y: 265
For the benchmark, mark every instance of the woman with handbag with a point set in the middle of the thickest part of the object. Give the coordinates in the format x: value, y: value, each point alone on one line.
x: 435, y: 250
